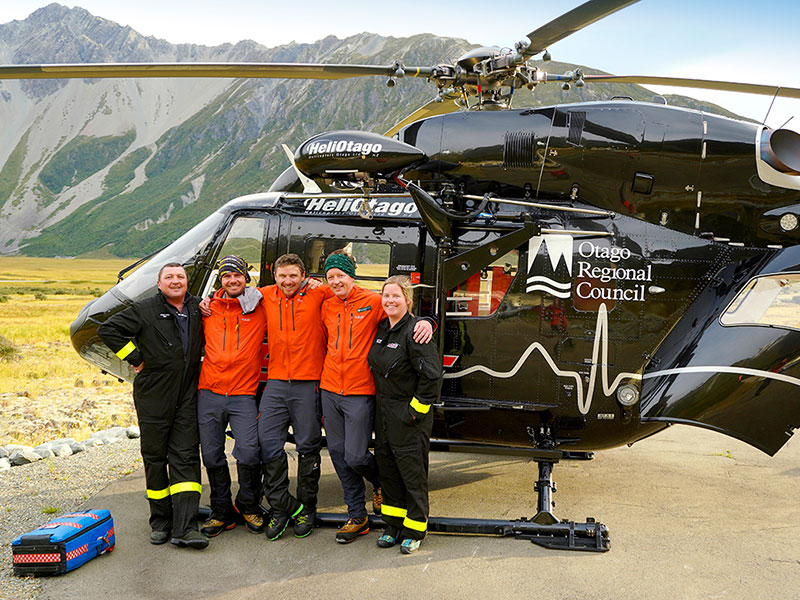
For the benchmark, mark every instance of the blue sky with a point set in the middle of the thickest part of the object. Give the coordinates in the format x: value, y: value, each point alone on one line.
x: 706, y: 39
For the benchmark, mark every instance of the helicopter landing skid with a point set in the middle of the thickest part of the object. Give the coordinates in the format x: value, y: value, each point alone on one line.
x: 544, y: 529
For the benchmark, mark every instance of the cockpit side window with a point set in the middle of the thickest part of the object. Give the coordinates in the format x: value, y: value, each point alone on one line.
x: 771, y: 300
x: 245, y: 238
x: 185, y: 250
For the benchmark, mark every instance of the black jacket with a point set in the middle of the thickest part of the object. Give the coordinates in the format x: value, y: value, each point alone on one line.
x: 155, y: 334
x: 402, y: 368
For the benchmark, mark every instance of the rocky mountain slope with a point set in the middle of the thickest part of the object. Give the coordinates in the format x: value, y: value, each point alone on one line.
x: 126, y: 165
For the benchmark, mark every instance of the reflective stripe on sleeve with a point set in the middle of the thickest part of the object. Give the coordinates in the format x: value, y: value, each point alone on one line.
x: 393, y: 511
x: 157, y: 494
x: 415, y: 525
x: 186, y: 486
x: 419, y: 406
x: 125, y: 350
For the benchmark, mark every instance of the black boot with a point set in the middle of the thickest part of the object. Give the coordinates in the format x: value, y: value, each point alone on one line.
x: 276, y: 489
x: 308, y: 472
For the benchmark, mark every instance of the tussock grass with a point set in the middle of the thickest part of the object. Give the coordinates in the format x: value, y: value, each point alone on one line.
x: 48, y: 391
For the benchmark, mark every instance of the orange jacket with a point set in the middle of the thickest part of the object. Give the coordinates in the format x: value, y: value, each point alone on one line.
x: 232, y: 365
x: 351, y: 325
x: 296, y: 337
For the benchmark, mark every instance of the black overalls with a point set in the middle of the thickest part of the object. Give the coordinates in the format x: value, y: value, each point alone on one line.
x: 408, y: 379
x: 165, y: 395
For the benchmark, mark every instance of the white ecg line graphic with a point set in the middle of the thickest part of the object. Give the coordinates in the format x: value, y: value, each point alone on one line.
x: 601, y: 345
x: 600, y: 339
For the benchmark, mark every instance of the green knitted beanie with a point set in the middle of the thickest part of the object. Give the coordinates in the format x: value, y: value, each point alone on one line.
x: 341, y: 262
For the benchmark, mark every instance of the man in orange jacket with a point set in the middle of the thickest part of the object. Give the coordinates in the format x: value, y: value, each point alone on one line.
x: 291, y: 396
x: 351, y: 318
x: 234, y: 332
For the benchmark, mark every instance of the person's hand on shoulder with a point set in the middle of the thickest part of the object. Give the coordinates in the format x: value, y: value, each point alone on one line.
x: 423, y: 332
x: 312, y: 283
x: 205, y: 307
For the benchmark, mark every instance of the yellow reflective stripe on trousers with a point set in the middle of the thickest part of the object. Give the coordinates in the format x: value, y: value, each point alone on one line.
x: 419, y: 406
x: 415, y: 525
x: 157, y: 494
x: 393, y: 511
x: 186, y: 486
x: 125, y: 350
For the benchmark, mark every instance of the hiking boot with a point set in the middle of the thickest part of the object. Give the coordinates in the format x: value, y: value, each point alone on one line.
x: 304, y: 523
x: 279, y: 522
x: 159, y: 537
x: 277, y: 525
x: 377, y: 501
x: 389, y: 537
x: 352, y: 529
x: 213, y: 526
x: 191, y: 539
x: 409, y: 546
x: 254, y: 522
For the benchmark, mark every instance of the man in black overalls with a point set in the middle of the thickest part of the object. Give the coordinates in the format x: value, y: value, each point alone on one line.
x: 161, y: 337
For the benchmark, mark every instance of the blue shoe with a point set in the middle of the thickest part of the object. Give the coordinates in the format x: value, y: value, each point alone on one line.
x: 386, y: 541
x: 408, y: 546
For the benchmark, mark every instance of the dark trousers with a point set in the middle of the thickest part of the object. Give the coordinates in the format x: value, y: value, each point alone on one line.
x: 295, y: 403
x: 401, y: 449
x: 348, y: 430
x: 214, y: 413
x: 166, y: 407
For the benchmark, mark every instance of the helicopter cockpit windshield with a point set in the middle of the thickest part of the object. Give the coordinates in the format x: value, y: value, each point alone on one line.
x: 140, y: 283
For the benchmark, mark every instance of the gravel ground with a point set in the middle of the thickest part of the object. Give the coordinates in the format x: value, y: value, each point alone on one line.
x: 63, y: 484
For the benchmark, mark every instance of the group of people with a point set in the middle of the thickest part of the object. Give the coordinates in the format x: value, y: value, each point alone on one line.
x: 339, y: 355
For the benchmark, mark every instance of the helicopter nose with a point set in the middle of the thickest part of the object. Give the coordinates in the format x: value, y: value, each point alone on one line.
x: 83, y: 334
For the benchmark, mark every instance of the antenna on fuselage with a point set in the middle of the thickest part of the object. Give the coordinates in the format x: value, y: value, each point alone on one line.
x: 777, y: 91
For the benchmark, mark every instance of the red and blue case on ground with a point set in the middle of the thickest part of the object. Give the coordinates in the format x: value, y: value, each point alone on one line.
x: 64, y: 543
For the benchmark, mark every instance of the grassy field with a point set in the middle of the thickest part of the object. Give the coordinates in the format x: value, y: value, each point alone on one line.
x: 59, y: 275
x: 46, y: 389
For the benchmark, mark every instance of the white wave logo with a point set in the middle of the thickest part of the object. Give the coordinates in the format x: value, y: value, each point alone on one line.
x: 559, y: 247
x: 554, y: 288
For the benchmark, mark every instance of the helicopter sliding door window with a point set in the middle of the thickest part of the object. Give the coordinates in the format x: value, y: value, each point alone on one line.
x: 772, y: 301
x: 245, y: 238
x: 372, y: 259
x: 482, y: 294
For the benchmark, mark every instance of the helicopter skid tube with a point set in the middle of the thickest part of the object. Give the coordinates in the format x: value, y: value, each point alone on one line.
x: 564, y: 535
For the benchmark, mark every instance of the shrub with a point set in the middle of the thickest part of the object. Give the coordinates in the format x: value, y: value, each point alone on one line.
x: 8, y: 351
x: 40, y: 295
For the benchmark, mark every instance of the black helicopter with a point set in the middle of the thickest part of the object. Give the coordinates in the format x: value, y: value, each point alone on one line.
x: 600, y: 270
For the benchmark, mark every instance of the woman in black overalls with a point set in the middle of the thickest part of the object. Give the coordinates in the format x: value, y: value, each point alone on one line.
x: 408, y: 379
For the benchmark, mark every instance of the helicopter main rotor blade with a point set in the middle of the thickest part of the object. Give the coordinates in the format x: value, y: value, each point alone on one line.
x: 250, y: 70
x: 707, y: 84
x: 431, y: 109
x: 572, y: 21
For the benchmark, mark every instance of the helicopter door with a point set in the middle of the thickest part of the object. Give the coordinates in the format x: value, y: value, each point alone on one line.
x: 486, y: 319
